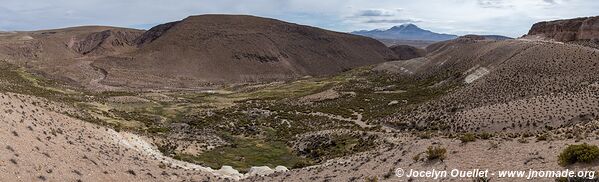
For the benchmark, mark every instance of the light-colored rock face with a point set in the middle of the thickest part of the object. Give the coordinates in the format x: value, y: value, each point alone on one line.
x: 260, y: 171
x: 476, y: 74
x: 281, y: 169
x: 229, y: 171
x: 568, y: 30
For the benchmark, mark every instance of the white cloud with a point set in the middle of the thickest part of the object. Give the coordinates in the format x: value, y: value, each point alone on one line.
x: 392, y: 21
x: 448, y: 16
x: 377, y: 12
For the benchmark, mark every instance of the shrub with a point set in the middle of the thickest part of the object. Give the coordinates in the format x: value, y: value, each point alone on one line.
x: 433, y: 153
x: 485, y: 136
x: 424, y: 135
x: 468, y: 137
x: 493, y: 145
x: 522, y: 140
x: 543, y: 137
x: 578, y: 153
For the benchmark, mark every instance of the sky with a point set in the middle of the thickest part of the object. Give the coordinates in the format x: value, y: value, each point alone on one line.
x: 502, y: 17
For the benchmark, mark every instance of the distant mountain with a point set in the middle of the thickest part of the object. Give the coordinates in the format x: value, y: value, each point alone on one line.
x: 405, y: 32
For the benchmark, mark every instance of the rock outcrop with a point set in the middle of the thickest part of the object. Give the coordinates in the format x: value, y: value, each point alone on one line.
x: 106, y: 42
x: 568, y: 30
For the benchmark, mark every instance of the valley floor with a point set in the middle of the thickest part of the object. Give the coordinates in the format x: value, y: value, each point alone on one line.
x: 507, y: 106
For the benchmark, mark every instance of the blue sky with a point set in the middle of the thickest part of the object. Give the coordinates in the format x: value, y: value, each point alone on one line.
x: 505, y: 17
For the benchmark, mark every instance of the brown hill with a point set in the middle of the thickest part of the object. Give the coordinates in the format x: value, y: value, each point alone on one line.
x: 406, y: 52
x: 568, y: 30
x: 106, y: 42
x: 231, y: 48
x: 66, y: 54
x: 59, y: 44
x: 196, y: 51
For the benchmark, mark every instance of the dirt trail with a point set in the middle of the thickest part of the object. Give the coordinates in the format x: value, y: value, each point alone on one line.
x: 358, y: 121
x: 95, y: 84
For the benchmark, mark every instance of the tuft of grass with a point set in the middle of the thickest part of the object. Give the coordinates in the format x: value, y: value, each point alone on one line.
x: 485, y: 135
x: 543, y: 137
x: 244, y: 153
x: 436, y: 152
x: 583, y: 153
x: 468, y: 137
x: 338, y: 145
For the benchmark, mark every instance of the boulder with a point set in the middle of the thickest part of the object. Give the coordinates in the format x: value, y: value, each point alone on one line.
x: 260, y: 171
x: 279, y: 169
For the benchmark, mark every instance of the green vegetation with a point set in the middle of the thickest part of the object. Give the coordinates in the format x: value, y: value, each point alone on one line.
x: 261, y: 121
x: 584, y: 153
x: 322, y: 148
x: 244, y: 153
x: 17, y: 80
x: 288, y: 90
x: 468, y: 137
x: 435, y: 152
x: 543, y: 137
x: 485, y: 135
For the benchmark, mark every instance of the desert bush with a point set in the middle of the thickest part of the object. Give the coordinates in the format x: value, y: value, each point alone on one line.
x: 485, y: 136
x: 493, y: 145
x: 522, y: 140
x: 437, y: 152
x: 584, y: 153
x: 424, y: 135
x: 543, y: 137
x: 468, y: 137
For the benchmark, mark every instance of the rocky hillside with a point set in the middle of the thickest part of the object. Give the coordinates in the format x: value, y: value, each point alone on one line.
x: 56, y: 46
x: 568, y: 30
x: 106, y: 42
x: 197, y: 51
x: 226, y: 48
x: 406, y: 52
x: 467, y: 104
x: 74, y: 150
x: 547, y: 84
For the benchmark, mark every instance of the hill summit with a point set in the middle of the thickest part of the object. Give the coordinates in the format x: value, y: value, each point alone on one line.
x: 236, y: 48
x: 194, y: 52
